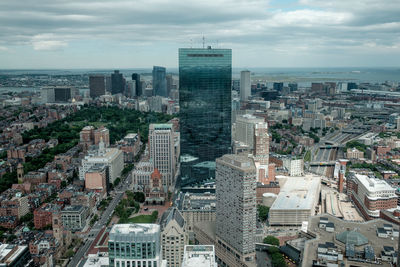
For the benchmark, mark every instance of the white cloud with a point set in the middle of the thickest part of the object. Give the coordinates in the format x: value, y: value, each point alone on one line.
x: 47, y: 42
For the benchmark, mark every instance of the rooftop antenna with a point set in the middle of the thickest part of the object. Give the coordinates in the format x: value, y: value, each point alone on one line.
x: 204, y: 41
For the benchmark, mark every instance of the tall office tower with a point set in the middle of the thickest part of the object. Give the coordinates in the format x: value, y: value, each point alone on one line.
x: 170, y: 83
x: 159, y: 81
x: 278, y: 87
x: 293, y: 87
x: 63, y: 94
x: 245, y: 85
x: 236, y: 204
x: 138, y: 84
x: 135, y: 245
x: 47, y: 95
x: 244, y: 129
x: 117, y: 83
x: 162, y: 151
x: 261, y: 143
x: 97, y: 85
x: 205, y: 80
x: 108, y: 83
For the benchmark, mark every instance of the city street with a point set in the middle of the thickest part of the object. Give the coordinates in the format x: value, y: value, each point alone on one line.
x: 106, y: 215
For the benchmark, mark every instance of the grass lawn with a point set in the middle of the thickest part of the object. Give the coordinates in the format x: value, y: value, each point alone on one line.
x: 142, y: 219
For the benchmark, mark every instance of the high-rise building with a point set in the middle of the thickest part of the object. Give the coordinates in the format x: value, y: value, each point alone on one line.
x: 261, y: 143
x: 244, y: 129
x: 97, y: 85
x: 135, y: 245
x: 278, y: 86
x: 47, y: 95
x: 170, y: 83
x: 117, y: 83
x: 245, y: 85
x: 236, y: 204
x: 108, y: 83
x: 205, y: 79
x: 159, y: 81
x: 62, y: 94
x: 138, y: 84
x: 173, y: 237
x: 112, y: 158
x: 162, y: 151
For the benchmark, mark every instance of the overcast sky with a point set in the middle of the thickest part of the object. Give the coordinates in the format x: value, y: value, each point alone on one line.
x: 143, y: 33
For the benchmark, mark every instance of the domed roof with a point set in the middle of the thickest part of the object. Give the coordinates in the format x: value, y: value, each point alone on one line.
x: 352, y: 237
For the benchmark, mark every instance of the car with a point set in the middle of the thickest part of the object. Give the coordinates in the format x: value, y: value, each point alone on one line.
x: 146, y: 209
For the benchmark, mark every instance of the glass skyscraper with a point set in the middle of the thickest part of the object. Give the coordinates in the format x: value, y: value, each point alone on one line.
x: 205, y: 77
x: 159, y: 81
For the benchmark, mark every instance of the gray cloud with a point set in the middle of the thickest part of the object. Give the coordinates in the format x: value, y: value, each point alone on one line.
x: 311, y: 26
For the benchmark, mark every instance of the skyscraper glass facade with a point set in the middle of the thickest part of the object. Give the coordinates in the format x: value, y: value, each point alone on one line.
x: 159, y: 81
x: 205, y: 77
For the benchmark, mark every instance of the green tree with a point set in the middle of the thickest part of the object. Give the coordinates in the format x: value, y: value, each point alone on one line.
x: 70, y: 253
x: 272, y: 240
x: 140, y: 197
x: 262, y: 212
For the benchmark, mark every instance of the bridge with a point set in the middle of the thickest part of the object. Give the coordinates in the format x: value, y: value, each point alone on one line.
x: 330, y: 146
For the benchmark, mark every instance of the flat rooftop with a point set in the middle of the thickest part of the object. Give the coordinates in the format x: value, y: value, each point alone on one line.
x: 199, y: 256
x: 135, y: 228
x: 298, y: 193
x: 373, y: 184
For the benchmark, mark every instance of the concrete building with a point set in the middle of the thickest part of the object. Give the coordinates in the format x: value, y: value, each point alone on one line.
x: 245, y: 85
x: 74, y: 218
x: 96, y: 178
x: 173, y: 237
x: 295, y: 167
x: 47, y: 95
x: 162, y: 151
x: 141, y: 175
x: 370, y: 194
x: 261, y: 143
x: 99, y: 134
x: 236, y: 204
x: 199, y: 256
x: 243, y: 129
x: 42, y: 217
x: 135, y: 245
x: 296, y: 201
x: 197, y: 208
x: 354, y: 153
x: 113, y: 158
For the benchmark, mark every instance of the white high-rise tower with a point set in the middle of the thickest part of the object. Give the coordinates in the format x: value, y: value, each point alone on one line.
x: 236, y: 204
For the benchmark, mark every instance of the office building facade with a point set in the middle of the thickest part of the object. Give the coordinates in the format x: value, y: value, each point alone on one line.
x: 138, y: 84
x: 117, y: 83
x: 236, y: 204
x: 245, y: 85
x: 205, y: 79
x: 162, y: 151
x: 159, y: 81
x: 133, y: 245
x: 97, y: 85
